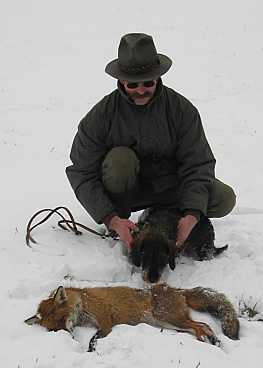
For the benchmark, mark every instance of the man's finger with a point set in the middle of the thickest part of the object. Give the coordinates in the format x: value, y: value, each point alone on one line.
x: 179, y: 244
x: 131, y: 225
x: 128, y: 243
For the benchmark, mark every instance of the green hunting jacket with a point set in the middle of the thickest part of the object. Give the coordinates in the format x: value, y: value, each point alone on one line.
x: 167, y: 136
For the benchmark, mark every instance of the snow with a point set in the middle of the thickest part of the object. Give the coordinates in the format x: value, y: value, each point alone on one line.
x: 53, y: 55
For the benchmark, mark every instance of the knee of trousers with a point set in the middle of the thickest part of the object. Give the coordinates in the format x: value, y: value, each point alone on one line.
x: 226, y: 201
x: 229, y: 201
x: 120, y: 169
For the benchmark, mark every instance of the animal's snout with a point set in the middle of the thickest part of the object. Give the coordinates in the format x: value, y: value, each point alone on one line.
x: 151, y: 277
x: 153, y: 254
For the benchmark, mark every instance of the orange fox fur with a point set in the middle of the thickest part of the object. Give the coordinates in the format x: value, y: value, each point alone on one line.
x: 160, y: 305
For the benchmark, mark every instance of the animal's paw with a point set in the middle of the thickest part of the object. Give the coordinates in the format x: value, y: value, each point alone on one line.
x: 92, y: 345
x: 93, y: 342
x: 212, y: 339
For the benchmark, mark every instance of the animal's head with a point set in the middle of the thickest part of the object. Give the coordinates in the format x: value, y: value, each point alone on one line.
x: 152, y: 253
x: 56, y: 313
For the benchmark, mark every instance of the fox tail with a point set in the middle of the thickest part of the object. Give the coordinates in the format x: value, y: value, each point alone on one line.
x: 217, y: 304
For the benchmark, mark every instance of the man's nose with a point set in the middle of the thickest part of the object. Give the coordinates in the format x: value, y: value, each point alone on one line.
x: 141, y: 89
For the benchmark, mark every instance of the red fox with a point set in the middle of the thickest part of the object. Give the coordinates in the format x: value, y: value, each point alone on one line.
x: 160, y: 306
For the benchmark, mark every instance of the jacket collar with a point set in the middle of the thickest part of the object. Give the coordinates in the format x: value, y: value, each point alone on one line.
x: 158, y: 92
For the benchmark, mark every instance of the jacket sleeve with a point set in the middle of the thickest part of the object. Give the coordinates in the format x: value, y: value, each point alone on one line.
x: 195, y: 162
x: 87, y: 153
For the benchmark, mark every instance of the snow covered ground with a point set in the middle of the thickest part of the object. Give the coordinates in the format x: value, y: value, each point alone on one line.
x: 53, y: 55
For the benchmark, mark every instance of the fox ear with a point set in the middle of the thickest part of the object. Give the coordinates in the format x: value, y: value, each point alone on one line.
x: 60, y: 295
x: 32, y: 320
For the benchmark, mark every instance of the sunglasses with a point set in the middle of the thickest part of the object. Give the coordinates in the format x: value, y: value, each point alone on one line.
x: 147, y: 84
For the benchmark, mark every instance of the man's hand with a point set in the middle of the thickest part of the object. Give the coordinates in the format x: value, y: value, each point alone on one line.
x: 123, y: 228
x: 185, y: 226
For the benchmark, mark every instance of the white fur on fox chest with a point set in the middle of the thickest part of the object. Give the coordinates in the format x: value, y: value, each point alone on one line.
x: 79, y: 315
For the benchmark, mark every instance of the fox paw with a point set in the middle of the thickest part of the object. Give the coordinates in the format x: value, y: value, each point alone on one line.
x: 212, y: 339
x: 93, y: 342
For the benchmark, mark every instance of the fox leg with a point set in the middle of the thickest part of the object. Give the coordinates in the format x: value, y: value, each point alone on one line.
x: 93, y: 341
x: 104, y: 328
x: 177, y: 314
x: 202, y: 331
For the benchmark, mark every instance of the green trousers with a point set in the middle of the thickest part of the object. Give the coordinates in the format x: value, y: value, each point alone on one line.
x: 120, y: 170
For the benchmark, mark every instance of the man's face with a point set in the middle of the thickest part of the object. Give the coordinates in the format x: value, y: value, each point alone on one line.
x: 140, y: 92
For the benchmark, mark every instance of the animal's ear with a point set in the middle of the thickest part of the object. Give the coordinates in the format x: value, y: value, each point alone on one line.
x: 172, y: 262
x: 135, y: 255
x: 172, y: 254
x: 32, y: 320
x: 60, y: 295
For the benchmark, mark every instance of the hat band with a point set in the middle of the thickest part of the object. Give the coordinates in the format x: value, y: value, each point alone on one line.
x: 139, y: 69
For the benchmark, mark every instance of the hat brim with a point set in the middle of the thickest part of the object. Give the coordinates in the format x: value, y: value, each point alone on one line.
x: 113, y: 69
